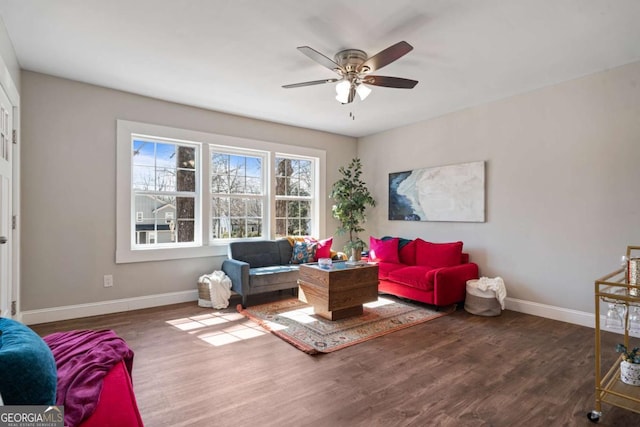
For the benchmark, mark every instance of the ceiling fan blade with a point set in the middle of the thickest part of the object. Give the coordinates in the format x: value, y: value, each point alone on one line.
x: 320, y: 58
x: 395, y: 82
x: 315, y: 82
x: 386, y: 57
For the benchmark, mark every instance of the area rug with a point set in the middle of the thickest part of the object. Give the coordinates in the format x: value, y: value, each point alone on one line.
x: 294, y: 322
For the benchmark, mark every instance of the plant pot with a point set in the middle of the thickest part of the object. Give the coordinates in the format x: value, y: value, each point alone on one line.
x: 356, y: 254
x: 630, y: 373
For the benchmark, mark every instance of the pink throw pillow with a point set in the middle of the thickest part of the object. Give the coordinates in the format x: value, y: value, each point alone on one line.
x: 383, y: 250
x: 323, y: 250
x: 437, y: 255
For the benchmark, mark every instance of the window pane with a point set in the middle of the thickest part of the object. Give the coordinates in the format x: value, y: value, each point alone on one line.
x: 144, y: 153
x: 220, y: 163
x: 186, y: 231
x: 237, y: 185
x: 281, y: 209
x: 185, y: 207
x: 238, y: 228
x: 186, y: 180
x: 220, y: 184
x: 281, y: 227
x: 145, y: 207
x: 254, y: 227
x: 166, y: 155
x: 220, y: 207
x: 293, y: 227
x: 187, y: 157
x: 305, y: 227
x: 254, y: 167
x: 237, y: 166
x: 291, y: 187
x: 165, y: 179
x: 254, y: 208
x: 304, y: 209
x: 281, y: 186
x: 221, y: 228
x: 254, y: 185
x: 143, y: 178
x: 293, y: 209
x: 237, y: 208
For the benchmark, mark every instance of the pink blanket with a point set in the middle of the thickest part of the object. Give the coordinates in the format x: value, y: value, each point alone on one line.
x: 83, y: 359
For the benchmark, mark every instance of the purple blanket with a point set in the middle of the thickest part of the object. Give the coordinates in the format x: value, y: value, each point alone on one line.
x: 83, y: 359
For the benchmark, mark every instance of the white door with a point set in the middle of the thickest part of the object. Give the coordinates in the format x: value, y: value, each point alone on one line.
x: 6, y: 154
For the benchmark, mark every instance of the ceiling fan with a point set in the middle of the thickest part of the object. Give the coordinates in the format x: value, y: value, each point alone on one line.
x: 353, y: 66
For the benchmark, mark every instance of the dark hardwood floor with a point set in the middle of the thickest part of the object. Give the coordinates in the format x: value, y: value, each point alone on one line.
x: 194, y: 368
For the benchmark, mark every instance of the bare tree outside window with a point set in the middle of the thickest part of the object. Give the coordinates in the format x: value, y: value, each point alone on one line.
x: 294, y: 195
x: 237, y: 195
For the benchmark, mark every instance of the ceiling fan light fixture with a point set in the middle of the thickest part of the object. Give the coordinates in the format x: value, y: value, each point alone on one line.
x: 363, y: 91
x: 342, y: 91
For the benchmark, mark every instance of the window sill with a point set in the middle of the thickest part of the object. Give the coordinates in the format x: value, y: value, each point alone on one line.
x: 148, y: 255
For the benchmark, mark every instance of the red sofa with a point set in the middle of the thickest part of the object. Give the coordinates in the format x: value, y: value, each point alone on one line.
x: 432, y: 273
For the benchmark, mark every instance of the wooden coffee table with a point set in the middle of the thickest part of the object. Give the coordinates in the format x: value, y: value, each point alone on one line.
x: 339, y: 291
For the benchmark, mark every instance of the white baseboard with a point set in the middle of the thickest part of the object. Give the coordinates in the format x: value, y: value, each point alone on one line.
x: 55, y: 314
x: 576, y: 317
x: 551, y: 312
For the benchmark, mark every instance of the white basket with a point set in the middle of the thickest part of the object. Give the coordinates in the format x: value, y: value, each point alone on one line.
x: 204, y: 294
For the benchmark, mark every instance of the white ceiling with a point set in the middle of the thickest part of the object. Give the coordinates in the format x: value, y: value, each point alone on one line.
x: 234, y: 56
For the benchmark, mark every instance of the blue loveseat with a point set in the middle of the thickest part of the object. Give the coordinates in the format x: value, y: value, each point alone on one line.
x: 256, y: 267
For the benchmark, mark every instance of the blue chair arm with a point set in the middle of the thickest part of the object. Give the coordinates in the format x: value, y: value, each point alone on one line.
x: 238, y: 272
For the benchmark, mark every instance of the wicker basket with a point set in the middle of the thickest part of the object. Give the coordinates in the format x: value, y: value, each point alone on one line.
x: 204, y: 294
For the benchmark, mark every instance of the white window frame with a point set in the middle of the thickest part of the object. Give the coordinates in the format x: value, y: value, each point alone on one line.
x: 312, y: 199
x: 125, y: 217
x: 197, y: 196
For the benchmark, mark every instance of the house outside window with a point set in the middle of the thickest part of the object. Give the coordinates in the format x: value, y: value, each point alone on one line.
x: 164, y: 191
x: 184, y: 194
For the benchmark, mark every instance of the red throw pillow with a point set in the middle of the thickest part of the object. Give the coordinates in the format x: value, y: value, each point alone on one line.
x: 383, y: 250
x: 437, y: 255
x: 323, y: 250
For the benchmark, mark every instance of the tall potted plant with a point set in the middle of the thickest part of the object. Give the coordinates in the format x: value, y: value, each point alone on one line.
x: 351, y: 198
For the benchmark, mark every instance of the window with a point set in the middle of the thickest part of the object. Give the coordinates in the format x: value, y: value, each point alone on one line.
x: 294, y: 196
x: 164, y: 185
x: 183, y: 194
x: 237, y: 194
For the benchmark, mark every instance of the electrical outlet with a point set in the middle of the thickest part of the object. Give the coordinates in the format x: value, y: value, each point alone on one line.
x: 108, y: 280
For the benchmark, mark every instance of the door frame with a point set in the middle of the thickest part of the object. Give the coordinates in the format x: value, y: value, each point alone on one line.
x: 10, y: 88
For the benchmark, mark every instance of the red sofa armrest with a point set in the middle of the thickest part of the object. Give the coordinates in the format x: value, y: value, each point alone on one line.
x: 117, y: 405
x: 450, y: 283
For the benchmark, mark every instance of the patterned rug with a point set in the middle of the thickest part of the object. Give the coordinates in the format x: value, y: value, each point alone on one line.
x: 294, y: 322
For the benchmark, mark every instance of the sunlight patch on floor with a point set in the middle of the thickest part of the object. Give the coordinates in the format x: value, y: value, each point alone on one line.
x: 302, y: 315
x: 219, y: 328
x: 381, y: 301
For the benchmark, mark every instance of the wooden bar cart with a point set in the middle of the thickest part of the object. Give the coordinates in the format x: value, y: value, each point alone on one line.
x: 614, y: 288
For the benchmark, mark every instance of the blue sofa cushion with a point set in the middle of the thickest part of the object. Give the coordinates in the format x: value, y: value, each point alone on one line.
x: 266, y: 276
x: 28, y: 373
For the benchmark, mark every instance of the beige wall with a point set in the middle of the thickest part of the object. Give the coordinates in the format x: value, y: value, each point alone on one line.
x: 69, y: 188
x: 561, y: 176
x: 563, y: 169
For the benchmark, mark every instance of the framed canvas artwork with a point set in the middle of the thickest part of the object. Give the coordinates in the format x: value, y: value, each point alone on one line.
x: 442, y: 193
